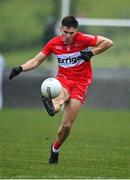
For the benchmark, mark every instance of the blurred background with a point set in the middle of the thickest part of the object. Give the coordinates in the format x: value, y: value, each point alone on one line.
x: 100, y: 142
x: 25, y: 26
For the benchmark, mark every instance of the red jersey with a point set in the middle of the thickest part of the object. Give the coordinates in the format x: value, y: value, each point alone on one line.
x: 70, y: 64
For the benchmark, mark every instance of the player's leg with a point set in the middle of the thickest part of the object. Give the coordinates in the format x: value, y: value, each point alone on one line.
x: 61, y: 99
x: 70, y: 113
x: 53, y: 105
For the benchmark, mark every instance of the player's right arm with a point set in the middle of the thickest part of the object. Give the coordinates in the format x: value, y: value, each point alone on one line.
x: 29, y: 65
x: 34, y: 62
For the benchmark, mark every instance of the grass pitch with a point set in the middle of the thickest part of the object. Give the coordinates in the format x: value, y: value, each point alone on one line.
x: 98, y: 147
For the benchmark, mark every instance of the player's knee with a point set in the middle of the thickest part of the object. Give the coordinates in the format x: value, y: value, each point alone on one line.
x: 67, y: 127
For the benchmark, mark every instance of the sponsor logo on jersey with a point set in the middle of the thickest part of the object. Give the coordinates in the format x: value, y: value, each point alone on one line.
x: 70, y: 59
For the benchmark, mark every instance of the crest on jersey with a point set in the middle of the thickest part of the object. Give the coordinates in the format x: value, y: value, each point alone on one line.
x: 68, y: 48
x: 58, y: 47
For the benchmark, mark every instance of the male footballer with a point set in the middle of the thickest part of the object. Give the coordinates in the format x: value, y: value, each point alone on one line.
x: 71, y: 49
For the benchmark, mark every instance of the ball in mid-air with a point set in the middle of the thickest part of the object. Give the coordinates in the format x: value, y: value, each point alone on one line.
x: 51, y: 88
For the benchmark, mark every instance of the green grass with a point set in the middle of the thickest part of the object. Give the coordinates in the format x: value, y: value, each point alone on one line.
x: 98, y: 146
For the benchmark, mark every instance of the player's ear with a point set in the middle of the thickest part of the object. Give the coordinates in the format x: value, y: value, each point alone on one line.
x: 61, y: 29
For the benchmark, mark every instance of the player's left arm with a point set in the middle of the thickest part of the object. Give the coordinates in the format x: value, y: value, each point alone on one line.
x: 102, y: 45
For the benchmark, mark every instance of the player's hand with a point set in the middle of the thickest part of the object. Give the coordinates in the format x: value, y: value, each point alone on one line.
x: 86, y: 55
x: 15, y: 71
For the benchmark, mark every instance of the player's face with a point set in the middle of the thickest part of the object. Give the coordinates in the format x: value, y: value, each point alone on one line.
x: 68, y: 34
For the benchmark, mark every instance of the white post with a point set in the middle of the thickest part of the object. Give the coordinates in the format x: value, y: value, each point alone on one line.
x: 65, y: 8
x: 65, y: 11
x: 1, y: 80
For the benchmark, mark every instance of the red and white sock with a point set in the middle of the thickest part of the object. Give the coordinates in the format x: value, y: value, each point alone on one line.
x: 56, y: 147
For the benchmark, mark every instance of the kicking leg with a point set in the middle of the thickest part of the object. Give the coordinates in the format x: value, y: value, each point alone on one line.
x: 52, y: 106
x: 61, y: 99
x: 48, y: 104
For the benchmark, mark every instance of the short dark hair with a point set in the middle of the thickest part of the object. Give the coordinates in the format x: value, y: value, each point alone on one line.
x: 69, y: 21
